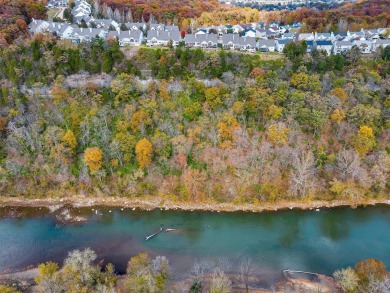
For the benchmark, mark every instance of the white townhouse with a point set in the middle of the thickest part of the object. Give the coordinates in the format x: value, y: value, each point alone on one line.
x: 364, y: 46
x: 280, y: 44
x: 326, y: 46
x: 340, y: 47
x: 162, y: 38
x: 266, y: 45
x: 127, y: 38
x: 231, y: 41
x: 201, y: 41
x: 380, y: 43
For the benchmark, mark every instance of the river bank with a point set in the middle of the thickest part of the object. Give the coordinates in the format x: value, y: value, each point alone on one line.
x: 152, y: 203
x: 24, y: 281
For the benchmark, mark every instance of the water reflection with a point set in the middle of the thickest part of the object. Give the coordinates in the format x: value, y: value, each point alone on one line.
x: 335, y: 225
x: 290, y: 231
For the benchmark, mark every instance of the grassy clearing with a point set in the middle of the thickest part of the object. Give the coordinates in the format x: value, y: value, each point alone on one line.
x: 52, y: 12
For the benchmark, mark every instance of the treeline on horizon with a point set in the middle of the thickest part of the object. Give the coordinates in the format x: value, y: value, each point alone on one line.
x: 207, y: 126
x: 349, y: 16
x: 80, y: 273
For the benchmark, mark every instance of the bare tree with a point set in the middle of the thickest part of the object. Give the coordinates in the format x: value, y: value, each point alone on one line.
x: 107, y: 11
x: 117, y: 16
x: 224, y: 263
x: 302, y: 173
x: 193, y: 24
x: 96, y: 7
x: 200, y: 269
x: 348, y: 162
x: 129, y: 16
x: 247, y: 270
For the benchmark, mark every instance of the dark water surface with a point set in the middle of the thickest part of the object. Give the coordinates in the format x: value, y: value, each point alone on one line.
x: 301, y: 240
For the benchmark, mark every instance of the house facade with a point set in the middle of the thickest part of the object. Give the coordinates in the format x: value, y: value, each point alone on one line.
x: 280, y: 44
x: 340, y: 47
x: 266, y: 45
x: 127, y: 38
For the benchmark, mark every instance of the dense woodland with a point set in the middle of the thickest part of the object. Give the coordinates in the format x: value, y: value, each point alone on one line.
x: 192, y: 125
x: 14, y: 17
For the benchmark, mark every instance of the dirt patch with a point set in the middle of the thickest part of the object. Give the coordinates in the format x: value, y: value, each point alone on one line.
x: 149, y: 203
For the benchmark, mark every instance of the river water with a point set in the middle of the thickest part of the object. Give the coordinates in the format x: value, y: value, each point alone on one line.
x: 320, y: 241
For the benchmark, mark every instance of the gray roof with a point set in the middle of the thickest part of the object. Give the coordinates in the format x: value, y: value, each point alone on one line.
x: 383, y: 42
x: 192, y: 38
x: 164, y: 35
x: 125, y: 34
x: 265, y: 43
x: 234, y: 38
x: 362, y: 43
x: 171, y: 28
x: 245, y: 41
x: 87, y: 32
x: 138, y: 25
x: 343, y: 43
x: 155, y: 26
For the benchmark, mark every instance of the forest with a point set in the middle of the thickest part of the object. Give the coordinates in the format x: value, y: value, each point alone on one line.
x: 14, y: 17
x: 188, y: 125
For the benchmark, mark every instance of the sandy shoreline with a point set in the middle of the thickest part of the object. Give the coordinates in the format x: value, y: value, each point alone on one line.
x: 154, y: 203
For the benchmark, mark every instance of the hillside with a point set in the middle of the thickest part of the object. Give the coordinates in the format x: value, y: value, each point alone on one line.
x: 192, y: 125
x: 352, y: 17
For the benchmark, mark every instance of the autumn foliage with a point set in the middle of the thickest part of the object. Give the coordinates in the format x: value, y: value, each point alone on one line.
x: 14, y: 16
x: 144, y: 151
x: 93, y: 159
x: 352, y: 17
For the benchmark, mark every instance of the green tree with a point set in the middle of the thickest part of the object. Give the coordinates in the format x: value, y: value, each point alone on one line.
x: 145, y: 275
x: 347, y: 279
x: 48, y: 278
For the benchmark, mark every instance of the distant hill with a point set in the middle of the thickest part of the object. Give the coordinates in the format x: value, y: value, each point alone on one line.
x: 349, y: 16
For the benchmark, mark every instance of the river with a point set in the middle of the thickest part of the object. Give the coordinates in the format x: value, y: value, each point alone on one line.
x: 320, y: 241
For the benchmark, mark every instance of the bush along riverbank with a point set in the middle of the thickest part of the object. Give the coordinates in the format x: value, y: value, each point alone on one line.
x: 166, y: 203
x: 82, y: 271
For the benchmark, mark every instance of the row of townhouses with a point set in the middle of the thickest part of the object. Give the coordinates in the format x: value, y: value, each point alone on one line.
x: 248, y: 40
x: 271, y: 37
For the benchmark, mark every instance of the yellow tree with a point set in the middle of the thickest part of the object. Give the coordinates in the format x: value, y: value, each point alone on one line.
x: 278, y: 133
x: 140, y: 119
x: 364, y: 140
x: 340, y: 93
x: 70, y: 140
x: 213, y: 98
x: 93, y: 158
x: 274, y: 112
x: 144, y: 151
x: 337, y: 115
